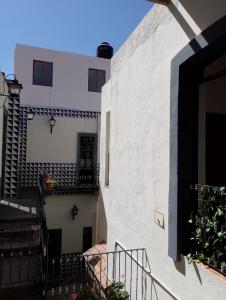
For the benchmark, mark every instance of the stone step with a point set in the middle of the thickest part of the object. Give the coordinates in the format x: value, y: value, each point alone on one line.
x: 32, y: 210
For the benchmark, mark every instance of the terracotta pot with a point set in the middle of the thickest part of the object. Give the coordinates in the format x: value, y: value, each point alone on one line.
x: 50, y: 186
x: 46, y: 178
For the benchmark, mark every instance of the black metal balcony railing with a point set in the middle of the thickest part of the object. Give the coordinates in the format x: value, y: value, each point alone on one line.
x: 208, y: 227
x: 70, y: 177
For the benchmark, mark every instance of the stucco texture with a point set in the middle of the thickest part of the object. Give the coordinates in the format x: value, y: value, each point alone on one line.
x: 59, y: 215
x: 70, y: 78
x: 62, y: 145
x: 138, y: 97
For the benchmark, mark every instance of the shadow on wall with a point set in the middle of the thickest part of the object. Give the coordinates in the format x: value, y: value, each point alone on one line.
x: 182, y: 21
x: 199, y: 12
x: 180, y: 265
x: 204, y: 12
x: 102, y: 220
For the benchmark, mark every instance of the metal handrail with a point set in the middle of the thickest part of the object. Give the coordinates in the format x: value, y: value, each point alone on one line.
x: 149, y: 273
x: 44, y: 237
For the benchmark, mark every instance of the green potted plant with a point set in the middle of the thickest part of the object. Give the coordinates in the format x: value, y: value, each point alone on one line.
x: 50, y: 182
x: 118, y: 292
x: 223, y: 267
x: 89, y: 294
x: 208, y: 228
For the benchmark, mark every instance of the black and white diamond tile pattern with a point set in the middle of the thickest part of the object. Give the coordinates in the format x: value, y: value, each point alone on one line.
x: 66, y: 174
x: 12, y: 148
x: 18, y: 172
x: 59, y: 112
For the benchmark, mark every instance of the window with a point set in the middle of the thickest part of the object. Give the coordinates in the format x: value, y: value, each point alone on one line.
x: 96, y: 80
x: 107, y: 157
x: 42, y: 73
x: 87, y: 149
x: 186, y: 168
x: 87, y: 158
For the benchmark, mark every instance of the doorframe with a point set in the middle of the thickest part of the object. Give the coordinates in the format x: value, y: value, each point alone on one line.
x: 186, y: 70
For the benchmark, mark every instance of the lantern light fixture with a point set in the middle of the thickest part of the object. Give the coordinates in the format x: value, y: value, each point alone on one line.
x: 14, y: 86
x: 52, y: 123
x: 30, y: 115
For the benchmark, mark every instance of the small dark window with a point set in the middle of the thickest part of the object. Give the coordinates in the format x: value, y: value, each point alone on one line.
x: 96, y: 80
x: 42, y: 73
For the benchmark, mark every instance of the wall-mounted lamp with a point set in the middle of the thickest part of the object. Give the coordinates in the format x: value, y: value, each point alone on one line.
x: 74, y: 211
x: 30, y: 115
x: 14, y: 86
x: 52, y: 123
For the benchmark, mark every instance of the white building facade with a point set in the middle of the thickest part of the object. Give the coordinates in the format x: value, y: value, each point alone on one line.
x: 67, y: 88
x: 148, y: 130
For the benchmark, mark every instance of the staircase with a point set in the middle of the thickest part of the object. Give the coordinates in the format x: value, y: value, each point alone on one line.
x: 21, y: 251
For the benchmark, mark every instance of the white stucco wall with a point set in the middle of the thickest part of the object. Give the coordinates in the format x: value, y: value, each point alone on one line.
x: 138, y: 97
x: 62, y: 145
x: 58, y: 213
x: 70, y: 78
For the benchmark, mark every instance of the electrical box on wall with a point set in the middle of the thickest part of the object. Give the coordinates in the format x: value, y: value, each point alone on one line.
x: 159, y: 218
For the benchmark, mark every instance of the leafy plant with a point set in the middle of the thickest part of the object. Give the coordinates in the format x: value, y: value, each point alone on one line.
x: 51, y: 180
x: 208, y: 227
x: 89, y: 294
x: 118, y: 292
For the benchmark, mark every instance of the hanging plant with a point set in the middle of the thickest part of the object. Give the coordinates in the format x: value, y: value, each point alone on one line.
x: 208, y: 227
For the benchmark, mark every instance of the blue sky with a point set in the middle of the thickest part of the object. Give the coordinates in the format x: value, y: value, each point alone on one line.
x: 67, y: 25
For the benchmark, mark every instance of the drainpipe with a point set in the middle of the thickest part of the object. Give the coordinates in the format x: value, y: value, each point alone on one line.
x: 97, y: 219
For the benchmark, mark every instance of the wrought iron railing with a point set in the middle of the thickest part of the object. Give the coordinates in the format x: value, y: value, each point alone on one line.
x: 149, y: 280
x: 69, y: 177
x: 77, y: 275
x: 44, y: 235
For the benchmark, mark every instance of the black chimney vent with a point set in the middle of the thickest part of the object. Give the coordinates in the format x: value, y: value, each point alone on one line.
x: 105, y: 50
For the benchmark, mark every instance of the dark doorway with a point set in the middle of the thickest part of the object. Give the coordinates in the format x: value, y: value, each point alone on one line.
x: 87, y: 238
x: 54, y: 243
x: 215, y: 149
